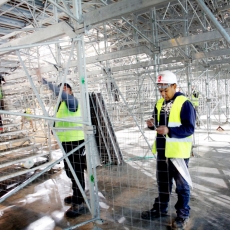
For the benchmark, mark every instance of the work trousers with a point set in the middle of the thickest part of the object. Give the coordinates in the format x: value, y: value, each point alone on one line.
x: 78, y: 162
x: 166, y: 172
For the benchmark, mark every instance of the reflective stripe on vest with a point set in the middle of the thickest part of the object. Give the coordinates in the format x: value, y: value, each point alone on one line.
x: 68, y: 135
x: 175, y: 147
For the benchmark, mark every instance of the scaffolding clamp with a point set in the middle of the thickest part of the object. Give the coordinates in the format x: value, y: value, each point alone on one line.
x: 89, y: 129
x: 155, y: 49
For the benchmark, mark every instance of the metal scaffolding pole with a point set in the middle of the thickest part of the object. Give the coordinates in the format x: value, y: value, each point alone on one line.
x: 218, y: 81
x: 226, y: 84
x: 85, y: 109
x: 54, y: 133
x: 208, y: 104
x: 218, y: 26
x: 156, y: 56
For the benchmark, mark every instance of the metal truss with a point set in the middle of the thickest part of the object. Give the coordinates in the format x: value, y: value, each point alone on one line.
x: 119, y: 47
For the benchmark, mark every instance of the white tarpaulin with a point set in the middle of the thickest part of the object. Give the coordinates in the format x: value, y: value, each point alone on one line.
x: 179, y: 163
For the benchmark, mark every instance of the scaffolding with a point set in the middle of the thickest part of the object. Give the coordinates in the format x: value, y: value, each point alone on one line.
x: 110, y: 52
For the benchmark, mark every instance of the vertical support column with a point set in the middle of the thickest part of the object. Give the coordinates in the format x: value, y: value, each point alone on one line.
x: 226, y: 84
x: 85, y: 108
x: 188, y: 75
x: 156, y: 42
x: 188, y: 64
x: 139, y: 97
x: 208, y: 104
x: 86, y: 117
x: 107, y: 70
x: 207, y: 89
x: 49, y: 123
x: 219, y: 96
x: 57, y: 46
x: 202, y: 90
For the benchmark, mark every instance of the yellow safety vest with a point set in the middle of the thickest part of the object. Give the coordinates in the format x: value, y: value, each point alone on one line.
x: 1, y: 94
x: 195, y: 101
x: 68, y: 135
x: 174, y: 147
x: 28, y: 111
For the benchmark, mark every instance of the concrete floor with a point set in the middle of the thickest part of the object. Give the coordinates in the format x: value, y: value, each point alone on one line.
x: 127, y: 190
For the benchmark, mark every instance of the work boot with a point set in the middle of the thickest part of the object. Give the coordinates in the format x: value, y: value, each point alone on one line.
x: 71, y: 200
x: 75, y: 210
x: 180, y: 223
x: 68, y: 199
x: 152, y: 214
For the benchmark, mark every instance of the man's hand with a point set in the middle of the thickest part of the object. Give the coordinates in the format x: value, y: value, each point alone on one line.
x: 163, y: 130
x: 150, y: 122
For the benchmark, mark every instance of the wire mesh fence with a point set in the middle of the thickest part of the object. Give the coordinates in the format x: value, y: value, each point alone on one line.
x: 122, y: 181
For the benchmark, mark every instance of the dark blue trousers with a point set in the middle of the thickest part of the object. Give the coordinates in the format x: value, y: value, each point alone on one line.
x: 166, y: 172
x: 78, y: 162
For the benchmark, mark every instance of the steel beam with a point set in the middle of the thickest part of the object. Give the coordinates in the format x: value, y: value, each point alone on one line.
x: 119, y: 54
x: 210, y: 54
x: 45, y: 34
x: 146, y: 64
x: 183, y: 41
x: 219, y: 62
x: 42, y: 22
x: 117, y: 10
x: 16, y: 11
x: 210, y: 15
x: 12, y: 22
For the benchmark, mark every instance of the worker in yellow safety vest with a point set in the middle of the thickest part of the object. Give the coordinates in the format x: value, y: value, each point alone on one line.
x: 195, y: 102
x: 29, y: 119
x: 174, y: 121
x: 70, y: 139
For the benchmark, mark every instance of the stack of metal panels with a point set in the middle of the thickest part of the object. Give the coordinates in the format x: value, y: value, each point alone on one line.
x: 108, y: 147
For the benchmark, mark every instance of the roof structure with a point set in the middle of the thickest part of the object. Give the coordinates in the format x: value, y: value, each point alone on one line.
x: 111, y: 51
x: 166, y: 34
x: 125, y: 43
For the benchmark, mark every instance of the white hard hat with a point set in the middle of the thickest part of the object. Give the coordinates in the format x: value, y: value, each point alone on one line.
x: 166, y: 77
x: 68, y: 83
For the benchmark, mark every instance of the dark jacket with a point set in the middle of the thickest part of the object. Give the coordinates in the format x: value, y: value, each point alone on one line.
x: 70, y: 100
x: 187, y: 115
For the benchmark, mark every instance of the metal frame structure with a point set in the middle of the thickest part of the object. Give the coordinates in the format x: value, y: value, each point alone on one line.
x: 96, y: 43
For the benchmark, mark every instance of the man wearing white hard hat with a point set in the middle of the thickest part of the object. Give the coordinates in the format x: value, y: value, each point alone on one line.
x: 70, y: 137
x: 174, y: 120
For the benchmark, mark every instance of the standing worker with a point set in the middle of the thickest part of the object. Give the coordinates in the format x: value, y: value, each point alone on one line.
x: 29, y: 119
x: 195, y: 102
x: 174, y: 121
x: 71, y: 139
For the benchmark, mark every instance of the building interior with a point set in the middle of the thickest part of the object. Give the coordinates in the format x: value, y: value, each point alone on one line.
x: 110, y: 52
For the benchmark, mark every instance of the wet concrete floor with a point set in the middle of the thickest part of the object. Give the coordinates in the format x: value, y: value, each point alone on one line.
x: 125, y: 191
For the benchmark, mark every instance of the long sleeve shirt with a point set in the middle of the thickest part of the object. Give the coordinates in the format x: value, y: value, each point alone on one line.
x: 70, y: 100
x: 187, y: 127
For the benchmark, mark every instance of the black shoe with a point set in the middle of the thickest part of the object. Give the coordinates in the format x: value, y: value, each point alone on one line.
x: 71, y: 200
x: 152, y: 214
x: 75, y: 210
x: 180, y: 223
x: 68, y: 199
